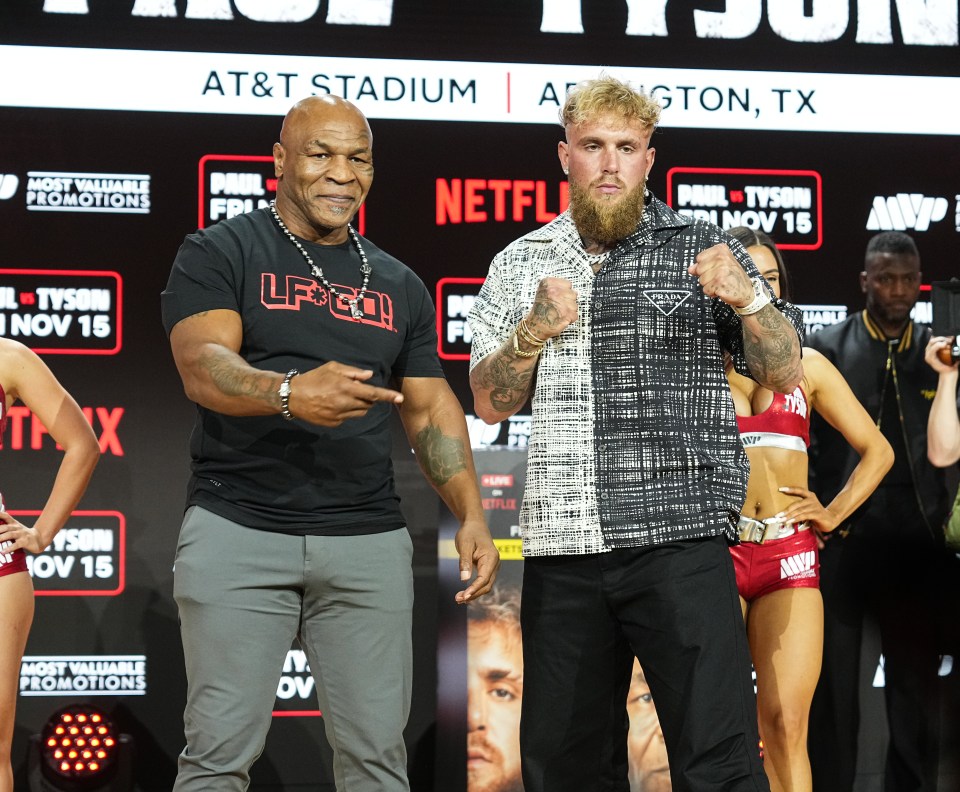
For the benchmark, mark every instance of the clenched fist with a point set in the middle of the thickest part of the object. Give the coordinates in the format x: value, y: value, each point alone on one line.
x: 554, y: 308
x: 721, y: 275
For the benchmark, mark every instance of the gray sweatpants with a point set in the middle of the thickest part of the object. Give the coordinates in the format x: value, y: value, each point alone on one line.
x: 243, y: 594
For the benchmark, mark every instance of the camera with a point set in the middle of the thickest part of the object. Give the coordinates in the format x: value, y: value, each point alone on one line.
x: 945, y: 302
x: 949, y: 354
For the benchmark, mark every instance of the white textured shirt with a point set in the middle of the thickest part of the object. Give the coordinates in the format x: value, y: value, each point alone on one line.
x: 633, y: 439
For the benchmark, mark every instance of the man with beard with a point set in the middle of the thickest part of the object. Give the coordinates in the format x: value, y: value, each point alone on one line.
x: 887, y: 561
x: 615, y: 318
x: 494, y: 692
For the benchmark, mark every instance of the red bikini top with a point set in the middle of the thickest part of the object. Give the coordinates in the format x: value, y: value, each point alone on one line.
x: 784, y: 424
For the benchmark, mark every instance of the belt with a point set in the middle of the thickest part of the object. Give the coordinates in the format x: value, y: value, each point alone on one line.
x: 760, y: 531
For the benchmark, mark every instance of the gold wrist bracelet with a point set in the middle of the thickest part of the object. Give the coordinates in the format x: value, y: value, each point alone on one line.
x: 520, y: 353
x: 528, y: 334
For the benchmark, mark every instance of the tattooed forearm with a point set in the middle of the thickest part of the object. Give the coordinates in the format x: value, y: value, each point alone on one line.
x: 500, y: 370
x: 234, y: 381
x: 507, y: 379
x: 773, y: 352
x: 441, y: 456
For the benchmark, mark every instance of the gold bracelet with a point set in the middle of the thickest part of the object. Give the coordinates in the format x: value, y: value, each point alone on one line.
x: 528, y: 336
x: 522, y: 333
x: 520, y: 353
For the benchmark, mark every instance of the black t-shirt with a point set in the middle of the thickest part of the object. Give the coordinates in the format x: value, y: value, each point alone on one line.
x: 290, y: 476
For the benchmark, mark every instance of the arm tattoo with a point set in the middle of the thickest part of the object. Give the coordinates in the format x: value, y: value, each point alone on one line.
x: 545, y: 313
x: 509, y: 388
x: 440, y: 455
x: 771, y: 353
x: 233, y: 382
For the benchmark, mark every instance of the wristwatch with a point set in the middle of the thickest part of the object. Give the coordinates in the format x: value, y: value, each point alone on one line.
x: 284, y: 392
x: 760, y: 299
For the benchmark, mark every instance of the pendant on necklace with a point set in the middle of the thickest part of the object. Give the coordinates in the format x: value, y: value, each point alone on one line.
x: 365, y: 269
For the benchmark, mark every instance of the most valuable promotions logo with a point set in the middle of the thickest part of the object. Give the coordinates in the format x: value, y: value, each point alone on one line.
x: 108, y: 193
x: 87, y: 675
x: 816, y: 317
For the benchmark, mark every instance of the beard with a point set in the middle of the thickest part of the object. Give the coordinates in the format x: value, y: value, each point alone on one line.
x: 603, y: 220
x: 498, y: 784
x: 493, y: 777
x: 890, y: 314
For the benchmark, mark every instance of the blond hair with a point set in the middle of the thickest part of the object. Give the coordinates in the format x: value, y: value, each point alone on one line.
x: 590, y: 99
x: 501, y: 606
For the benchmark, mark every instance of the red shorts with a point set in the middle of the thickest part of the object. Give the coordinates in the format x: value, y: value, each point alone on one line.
x: 12, y: 562
x: 791, y: 562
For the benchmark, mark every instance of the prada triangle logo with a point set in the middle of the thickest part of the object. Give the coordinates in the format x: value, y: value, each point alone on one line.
x: 666, y: 300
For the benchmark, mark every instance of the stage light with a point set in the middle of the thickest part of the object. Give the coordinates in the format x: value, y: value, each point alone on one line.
x: 79, y: 750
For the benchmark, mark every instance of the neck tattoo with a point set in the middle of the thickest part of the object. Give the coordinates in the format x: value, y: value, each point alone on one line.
x: 365, y: 269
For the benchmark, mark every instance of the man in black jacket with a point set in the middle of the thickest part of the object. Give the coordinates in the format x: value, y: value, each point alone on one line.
x: 886, y: 561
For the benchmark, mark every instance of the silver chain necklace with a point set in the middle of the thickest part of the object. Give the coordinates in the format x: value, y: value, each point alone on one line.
x: 365, y: 269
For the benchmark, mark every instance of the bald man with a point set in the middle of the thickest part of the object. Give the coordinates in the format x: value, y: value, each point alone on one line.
x: 296, y: 338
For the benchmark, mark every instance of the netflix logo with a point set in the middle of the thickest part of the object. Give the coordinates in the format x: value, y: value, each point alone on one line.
x: 499, y: 200
x: 26, y: 431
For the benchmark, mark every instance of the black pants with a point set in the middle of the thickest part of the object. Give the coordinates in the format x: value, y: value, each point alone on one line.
x: 893, y: 575
x: 676, y: 608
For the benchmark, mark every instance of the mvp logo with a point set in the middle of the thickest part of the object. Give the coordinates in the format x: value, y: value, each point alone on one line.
x: 8, y: 186
x: 799, y: 565
x: 906, y: 212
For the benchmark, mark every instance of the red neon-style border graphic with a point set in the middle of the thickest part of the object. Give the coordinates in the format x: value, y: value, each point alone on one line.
x: 82, y: 274
x: 201, y: 184
x: 121, y: 555
x: 762, y: 172
x: 440, y: 318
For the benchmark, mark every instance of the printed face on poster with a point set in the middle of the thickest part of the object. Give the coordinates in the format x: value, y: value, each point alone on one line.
x: 480, y: 659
